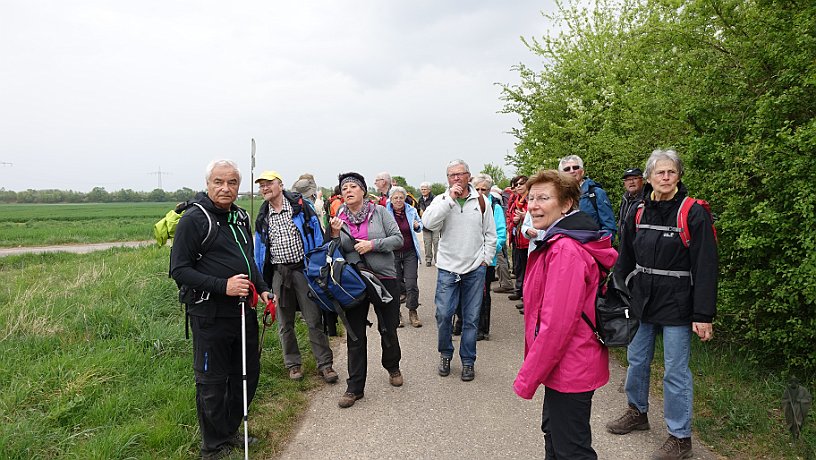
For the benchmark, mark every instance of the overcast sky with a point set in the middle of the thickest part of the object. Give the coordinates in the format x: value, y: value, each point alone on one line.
x: 107, y: 93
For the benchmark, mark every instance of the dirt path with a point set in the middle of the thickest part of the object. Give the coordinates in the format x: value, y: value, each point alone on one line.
x: 443, y: 417
x: 74, y: 248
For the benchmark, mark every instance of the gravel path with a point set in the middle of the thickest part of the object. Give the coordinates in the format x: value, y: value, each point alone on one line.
x: 443, y: 417
x: 74, y: 248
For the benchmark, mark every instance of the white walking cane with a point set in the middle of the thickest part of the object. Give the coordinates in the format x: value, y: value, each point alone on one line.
x: 244, y: 367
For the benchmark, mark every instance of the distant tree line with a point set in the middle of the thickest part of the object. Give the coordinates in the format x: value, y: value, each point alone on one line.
x: 97, y: 195
x: 732, y: 87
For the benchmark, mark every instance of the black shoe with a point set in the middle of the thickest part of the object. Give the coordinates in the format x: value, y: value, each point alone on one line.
x: 468, y: 373
x: 514, y: 297
x: 520, y: 306
x: 428, y: 264
x: 237, y: 441
x: 480, y: 336
x: 223, y: 452
x: 444, y: 367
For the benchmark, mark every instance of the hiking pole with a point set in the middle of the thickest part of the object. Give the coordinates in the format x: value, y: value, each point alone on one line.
x: 242, y: 302
x: 252, y: 181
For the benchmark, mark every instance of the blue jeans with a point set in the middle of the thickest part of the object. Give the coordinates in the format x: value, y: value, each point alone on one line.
x: 677, y: 384
x: 452, y: 290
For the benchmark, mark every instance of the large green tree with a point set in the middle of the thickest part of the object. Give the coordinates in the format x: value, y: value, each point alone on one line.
x: 730, y: 85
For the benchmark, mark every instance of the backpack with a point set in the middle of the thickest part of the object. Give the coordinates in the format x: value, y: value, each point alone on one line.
x: 335, y: 285
x: 682, y: 220
x: 613, y: 327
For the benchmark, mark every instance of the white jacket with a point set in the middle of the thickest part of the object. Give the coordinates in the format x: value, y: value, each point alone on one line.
x: 467, y: 236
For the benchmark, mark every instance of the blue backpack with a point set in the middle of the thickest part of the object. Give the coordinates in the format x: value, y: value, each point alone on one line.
x: 334, y: 284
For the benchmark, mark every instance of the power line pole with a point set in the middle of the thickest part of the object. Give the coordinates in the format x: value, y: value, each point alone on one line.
x: 159, y: 173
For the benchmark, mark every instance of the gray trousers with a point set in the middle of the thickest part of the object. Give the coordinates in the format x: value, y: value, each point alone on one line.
x: 287, y: 306
x: 503, y: 269
x: 431, y: 241
x: 406, y: 264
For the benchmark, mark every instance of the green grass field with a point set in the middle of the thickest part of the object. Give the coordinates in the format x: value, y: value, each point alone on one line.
x: 94, y: 362
x: 54, y: 224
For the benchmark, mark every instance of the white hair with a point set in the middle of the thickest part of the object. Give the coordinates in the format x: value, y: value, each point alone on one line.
x: 482, y: 178
x: 570, y: 158
x: 458, y: 162
x: 659, y: 155
x: 397, y: 189
x: 218, y: 164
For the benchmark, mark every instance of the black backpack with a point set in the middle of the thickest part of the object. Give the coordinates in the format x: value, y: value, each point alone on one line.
x: 614, y: 326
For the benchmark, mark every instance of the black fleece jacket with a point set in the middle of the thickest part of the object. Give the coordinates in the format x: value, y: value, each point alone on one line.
x: 667, y: 300
x: 230, y: 253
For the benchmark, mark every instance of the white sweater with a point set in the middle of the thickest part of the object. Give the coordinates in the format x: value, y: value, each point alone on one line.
x: 467, y: 236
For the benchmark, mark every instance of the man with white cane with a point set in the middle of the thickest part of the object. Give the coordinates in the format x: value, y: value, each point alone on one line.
x: 212, y: 261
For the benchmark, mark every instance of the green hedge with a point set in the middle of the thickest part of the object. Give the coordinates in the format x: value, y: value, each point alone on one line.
x: 732, y: 86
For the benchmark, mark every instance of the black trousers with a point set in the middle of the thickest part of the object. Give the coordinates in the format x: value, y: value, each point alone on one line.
x: 484, y: 314
x: 219, y: 375
x: 565, y: 423
x: 519, y: 267
x: 387, y: 322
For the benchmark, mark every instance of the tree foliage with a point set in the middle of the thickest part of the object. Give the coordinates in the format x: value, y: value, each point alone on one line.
x: 496, y: 173
x: 731, y: 85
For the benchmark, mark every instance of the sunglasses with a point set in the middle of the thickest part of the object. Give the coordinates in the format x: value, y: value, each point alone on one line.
x: 571, y: 168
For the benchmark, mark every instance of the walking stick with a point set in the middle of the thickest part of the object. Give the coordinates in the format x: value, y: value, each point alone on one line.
x: 242, y: 302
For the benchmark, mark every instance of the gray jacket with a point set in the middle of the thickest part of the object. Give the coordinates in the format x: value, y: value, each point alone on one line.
x: 384, y: 232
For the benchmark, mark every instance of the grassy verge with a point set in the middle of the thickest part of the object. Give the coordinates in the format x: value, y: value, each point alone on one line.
x: 737, y: 403
x: 54, y: 224
x: 94, y: 363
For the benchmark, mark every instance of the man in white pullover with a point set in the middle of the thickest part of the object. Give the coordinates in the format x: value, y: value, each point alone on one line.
x: 467, y: 244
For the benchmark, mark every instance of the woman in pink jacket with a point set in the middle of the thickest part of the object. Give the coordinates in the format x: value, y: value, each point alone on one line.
x: 561, y: 282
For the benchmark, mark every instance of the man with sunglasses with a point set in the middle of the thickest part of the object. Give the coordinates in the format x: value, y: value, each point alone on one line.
x: 594, y: 200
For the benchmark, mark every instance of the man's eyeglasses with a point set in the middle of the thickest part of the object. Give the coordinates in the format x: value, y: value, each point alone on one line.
x: 457, y: 175
x: 571, y: 168
x: 265, y: 185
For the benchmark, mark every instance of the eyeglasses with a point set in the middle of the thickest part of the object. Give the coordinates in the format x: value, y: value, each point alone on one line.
x: 521, y: 184
x: 457, y: 175
x: 265, y: 185
x: 481, y: 189
x: 538, y: 199
x: 571, y: 168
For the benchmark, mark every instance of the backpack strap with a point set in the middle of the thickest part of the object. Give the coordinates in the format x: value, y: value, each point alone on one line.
x: 210, y: 236
x: 593, y: 198
x: 482, y: 204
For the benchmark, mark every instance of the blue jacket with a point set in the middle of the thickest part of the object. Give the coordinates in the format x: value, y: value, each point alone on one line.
x: 501, y: 227
x: 305, y: 219
x: 604, y: 216
x: 412, y: 216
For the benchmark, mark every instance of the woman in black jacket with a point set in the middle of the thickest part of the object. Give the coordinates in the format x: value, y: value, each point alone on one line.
x: 674, y: 292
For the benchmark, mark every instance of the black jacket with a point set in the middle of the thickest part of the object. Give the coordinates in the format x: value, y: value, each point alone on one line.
x: 229, y: 253
x: 667, y: 300
x: 424, y: 203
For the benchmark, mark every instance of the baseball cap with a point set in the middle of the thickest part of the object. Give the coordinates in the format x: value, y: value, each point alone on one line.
x: 632, y: 172
x: 269, y: 175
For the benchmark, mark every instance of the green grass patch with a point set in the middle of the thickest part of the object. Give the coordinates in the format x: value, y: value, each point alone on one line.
x: 94, y: 363
x: 737, y: 404
x: 54, y: 224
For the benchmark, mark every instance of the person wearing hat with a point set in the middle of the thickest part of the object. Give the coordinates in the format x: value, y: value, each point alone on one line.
x: 633, y: 192
x: 286, y: 229
x: 369, y: 235
x: 306, y: 186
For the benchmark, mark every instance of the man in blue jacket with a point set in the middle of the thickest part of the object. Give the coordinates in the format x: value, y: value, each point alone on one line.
x: 594, y: 200
x: 286, y: 228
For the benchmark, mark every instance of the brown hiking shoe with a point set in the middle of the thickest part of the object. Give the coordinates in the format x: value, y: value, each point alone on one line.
x: 329, y: 375
x: 632, y: 419
x: 413, y: 317
x: 402, y: 321
x: 348, y: 399
x: 295, y: 373
x: 673, y: 448
x: 395, y: 378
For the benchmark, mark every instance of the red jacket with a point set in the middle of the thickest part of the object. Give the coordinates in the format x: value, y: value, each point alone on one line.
x: 514, y: 235
x: 560, y: 350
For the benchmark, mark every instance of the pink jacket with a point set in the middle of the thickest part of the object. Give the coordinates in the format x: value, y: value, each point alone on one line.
x: 561, y: 281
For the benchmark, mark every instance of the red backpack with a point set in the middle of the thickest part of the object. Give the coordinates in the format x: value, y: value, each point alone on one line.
x: 682, y: 220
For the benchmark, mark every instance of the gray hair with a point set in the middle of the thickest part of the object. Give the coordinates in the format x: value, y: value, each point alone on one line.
x: 384, y: 175
x: 570, y: 158
x: 425, y: 185
x: 220, y: 163
x: 482, y: 178
x: 457, y: 163
x: 660, y: 155
x: 397, y: 189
